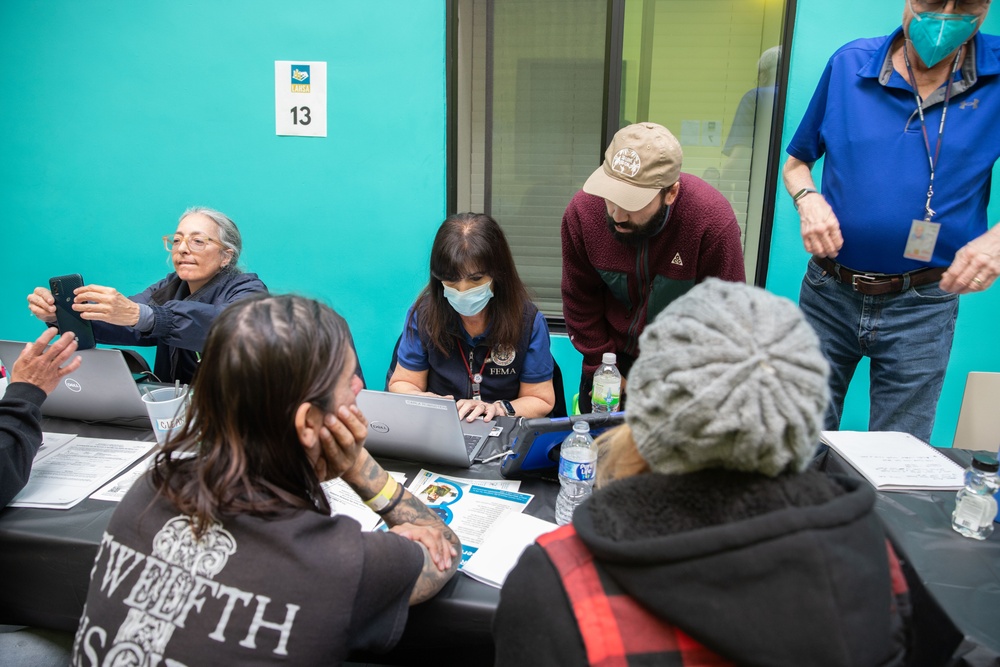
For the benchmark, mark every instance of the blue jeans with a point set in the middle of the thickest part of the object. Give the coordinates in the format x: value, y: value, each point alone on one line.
x: 907, y: 336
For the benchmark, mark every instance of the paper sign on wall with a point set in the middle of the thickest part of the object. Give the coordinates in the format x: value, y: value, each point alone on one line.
x: 300, y: 98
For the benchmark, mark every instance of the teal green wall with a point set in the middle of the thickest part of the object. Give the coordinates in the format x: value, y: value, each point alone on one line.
x: 821, y: 27
x: 117, y: 115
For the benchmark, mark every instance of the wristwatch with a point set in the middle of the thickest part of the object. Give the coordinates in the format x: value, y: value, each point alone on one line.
x: 802, y: 193
x: 508, y: 407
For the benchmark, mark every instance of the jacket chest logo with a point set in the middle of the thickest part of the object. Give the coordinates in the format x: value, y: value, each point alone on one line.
x: 973, y: 103
x: 677, y: 260
x: 502, y: 356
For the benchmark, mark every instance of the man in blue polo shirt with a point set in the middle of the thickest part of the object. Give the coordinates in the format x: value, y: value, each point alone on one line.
x: 908, y: 126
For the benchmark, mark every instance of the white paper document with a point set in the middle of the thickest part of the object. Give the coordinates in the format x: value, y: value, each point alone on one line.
x: 894, y: 461
x: 425, y: 476
x: 70, y: 474
x: 343, y: 500
x: 468, y: 506
x: 52, y: 442
x: 503, y: 545
x: 116, y: 489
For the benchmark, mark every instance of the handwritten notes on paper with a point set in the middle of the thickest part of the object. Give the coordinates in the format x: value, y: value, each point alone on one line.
x: 894, y: 461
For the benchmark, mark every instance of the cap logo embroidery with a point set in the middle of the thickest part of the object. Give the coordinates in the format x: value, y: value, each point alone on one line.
x: 626, y: 162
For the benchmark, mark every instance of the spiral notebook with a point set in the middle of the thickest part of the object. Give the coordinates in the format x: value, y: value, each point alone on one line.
x: 894, y: 461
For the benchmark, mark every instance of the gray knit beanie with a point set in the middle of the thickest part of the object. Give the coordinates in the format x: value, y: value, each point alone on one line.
x: 728, y: 376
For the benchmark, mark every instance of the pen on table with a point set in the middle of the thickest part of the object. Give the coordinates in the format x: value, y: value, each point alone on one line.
x: 145, y: 390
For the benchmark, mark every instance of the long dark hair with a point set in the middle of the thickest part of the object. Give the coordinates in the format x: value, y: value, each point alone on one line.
x: 264, y: 357
x: 468, y: 242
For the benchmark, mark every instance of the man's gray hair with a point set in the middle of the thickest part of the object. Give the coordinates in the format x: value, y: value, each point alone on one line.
x: 229, y: 235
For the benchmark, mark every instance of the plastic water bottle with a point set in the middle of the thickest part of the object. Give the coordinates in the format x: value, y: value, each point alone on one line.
x: 975, y: 505
x: 607, y: 385
x: 577, y: 467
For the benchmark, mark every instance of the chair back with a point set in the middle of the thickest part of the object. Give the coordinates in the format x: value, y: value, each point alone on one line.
x: 979, y: 419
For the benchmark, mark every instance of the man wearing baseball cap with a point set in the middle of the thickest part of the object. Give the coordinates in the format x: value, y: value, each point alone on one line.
x: 639, y: 235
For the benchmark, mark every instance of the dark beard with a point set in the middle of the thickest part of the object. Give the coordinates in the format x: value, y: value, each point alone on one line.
x: 640, y: 234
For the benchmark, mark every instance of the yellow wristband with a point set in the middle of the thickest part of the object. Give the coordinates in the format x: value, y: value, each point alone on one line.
x: 382, y: 499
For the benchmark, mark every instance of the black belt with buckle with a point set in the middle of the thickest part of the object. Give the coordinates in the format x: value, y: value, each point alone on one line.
x: 874, y: 284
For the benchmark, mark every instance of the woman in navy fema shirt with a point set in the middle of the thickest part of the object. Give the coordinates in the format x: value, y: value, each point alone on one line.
x: 474, y: 334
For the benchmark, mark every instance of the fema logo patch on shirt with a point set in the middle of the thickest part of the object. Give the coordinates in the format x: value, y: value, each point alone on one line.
x: 300, y: 78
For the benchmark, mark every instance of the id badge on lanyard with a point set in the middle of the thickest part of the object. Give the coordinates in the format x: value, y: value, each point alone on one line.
x: 923, y: 235
x: 922, y: 239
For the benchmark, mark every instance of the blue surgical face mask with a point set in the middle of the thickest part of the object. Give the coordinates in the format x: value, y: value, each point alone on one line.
x: 935, y: 35
x: 471, y: 301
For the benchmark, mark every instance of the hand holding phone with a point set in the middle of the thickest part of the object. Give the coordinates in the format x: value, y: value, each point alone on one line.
x: 42, y: 305
x: 69, y: 320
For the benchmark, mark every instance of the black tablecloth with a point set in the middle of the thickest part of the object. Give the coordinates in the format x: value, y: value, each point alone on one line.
x: 954, y: 580
x: 46, y: 557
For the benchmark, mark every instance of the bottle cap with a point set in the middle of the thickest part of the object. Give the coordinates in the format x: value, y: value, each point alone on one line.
x: 581, y: 426
x: 985, y: 463
x: 609, y: 358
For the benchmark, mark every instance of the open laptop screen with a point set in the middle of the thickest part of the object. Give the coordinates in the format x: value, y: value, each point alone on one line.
x: 102, y: 389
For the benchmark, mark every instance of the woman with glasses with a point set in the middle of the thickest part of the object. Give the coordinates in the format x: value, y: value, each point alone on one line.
x: 473, y: 333
x: 173, y: 314
x: 226, y: 552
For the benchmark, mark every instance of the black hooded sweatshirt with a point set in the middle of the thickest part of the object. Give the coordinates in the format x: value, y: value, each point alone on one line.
x: 790, y: 570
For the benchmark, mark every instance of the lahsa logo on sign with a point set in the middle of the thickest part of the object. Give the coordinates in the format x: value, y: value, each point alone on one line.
x: 167, y: 424
x: 379, y: 427
x: 73, y: 385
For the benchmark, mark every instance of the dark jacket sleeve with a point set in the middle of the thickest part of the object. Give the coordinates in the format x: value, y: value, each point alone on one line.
x: 20, y: 436
x: 534, y: 624
x: 583, y: 291
x: 721, y: 252
x: 184, y: 324
x: 113, y: 334
x: 180, y: 323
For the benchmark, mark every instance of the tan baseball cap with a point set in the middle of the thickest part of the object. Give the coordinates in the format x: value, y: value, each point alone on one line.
x: 642, y: 160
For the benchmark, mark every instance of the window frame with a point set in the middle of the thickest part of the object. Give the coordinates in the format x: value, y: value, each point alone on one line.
x: 613, y: 66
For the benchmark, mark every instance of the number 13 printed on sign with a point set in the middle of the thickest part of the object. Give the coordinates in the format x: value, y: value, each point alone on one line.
x: 300, y: 98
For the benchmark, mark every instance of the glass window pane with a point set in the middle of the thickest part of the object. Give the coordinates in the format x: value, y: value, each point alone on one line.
x: 706, y: 70
x: 548, y: 98
x: 531, y: 95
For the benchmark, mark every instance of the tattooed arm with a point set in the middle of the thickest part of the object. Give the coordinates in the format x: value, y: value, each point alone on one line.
x: 409, y: 518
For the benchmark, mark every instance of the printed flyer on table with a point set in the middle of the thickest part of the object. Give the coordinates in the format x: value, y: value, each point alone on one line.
x: 468, y: 506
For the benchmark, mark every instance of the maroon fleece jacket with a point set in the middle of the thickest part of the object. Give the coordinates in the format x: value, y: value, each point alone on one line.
x: 611, y: 289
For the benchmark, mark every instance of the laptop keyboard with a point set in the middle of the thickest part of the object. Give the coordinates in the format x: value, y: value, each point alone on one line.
x: 471, y: 440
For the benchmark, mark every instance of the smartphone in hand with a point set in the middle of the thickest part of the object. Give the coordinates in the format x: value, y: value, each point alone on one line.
x: 68, y: 319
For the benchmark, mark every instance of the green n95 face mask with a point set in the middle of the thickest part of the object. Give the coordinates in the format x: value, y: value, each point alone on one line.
x: 935, y: 35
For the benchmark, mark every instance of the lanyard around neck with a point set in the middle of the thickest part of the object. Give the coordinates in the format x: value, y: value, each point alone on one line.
x: 477, y: 378
x: 932, y: 159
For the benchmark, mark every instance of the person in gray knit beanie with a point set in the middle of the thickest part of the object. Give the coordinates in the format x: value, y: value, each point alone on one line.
x: 707, y: 519
x: 729, y: 376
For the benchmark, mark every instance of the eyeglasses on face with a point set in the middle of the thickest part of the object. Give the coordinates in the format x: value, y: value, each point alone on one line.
x: 937, y: 5
x: 195, y: 242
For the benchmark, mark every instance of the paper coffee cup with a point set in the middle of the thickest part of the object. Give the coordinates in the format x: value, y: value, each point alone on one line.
x: 166, y: 411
